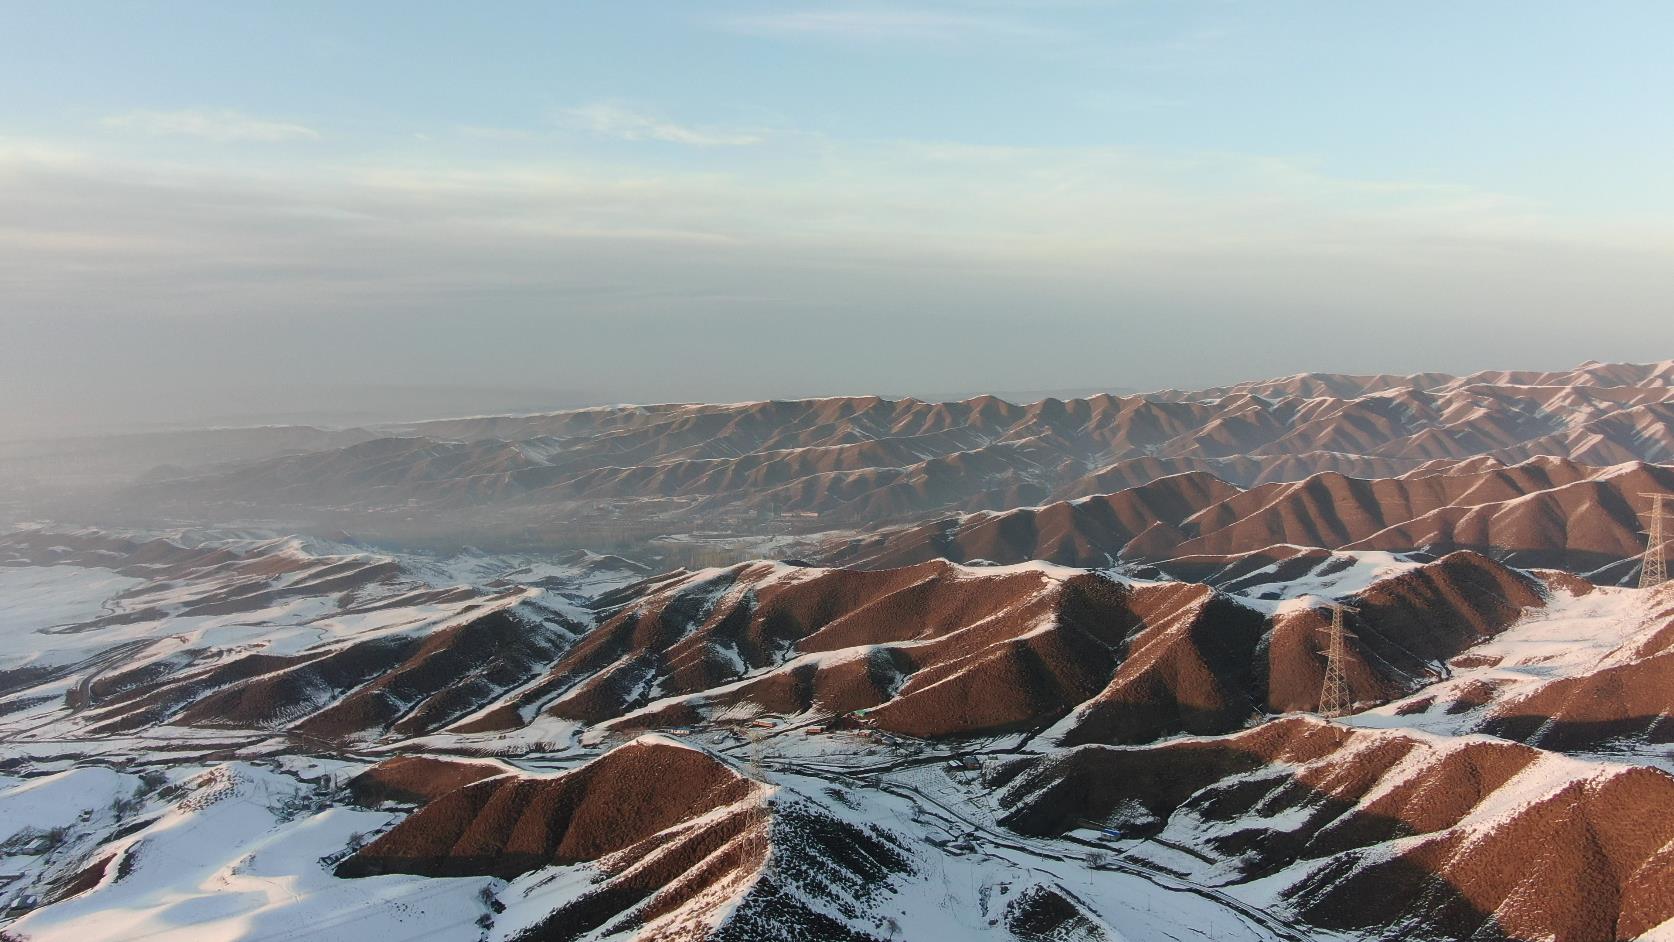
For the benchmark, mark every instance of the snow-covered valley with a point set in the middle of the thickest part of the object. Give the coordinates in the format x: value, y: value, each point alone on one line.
x: 193, y: 729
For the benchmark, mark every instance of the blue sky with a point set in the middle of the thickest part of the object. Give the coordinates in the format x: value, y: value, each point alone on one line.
x: 692, y: 200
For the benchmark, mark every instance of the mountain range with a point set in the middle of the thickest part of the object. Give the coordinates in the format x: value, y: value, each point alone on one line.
x: 1073, y: 690
x: 631, y: 476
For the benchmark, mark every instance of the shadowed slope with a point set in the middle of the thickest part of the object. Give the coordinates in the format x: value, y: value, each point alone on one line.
x: 938, y: 650
x: 1545, y: 512
x: 682, y: 845
x: 1627, y: 702
x: 1223, y: 664
x: 863, y: 460
x: 1384, y: 831
x: 1087, y: 532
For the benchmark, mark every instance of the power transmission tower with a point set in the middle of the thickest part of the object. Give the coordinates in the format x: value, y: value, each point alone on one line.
x: 1334, y: 693
x: 759, y: 837
x: 1654, y: 572
x: 753, y: 751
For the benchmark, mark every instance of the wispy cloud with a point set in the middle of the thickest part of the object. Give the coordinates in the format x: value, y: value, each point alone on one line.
x: 483, y: 133
x: 934, y: 256
x: 890, y: 25
x: 213, y: 125
x: 619, y: 121
x: 887, y: 205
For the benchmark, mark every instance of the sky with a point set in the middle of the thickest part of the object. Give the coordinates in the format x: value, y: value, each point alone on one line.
x: 214, y: 209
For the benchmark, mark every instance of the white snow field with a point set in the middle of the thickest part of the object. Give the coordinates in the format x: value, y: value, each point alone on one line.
x: 207, y: 834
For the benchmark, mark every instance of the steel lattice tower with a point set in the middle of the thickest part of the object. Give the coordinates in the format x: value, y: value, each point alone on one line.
x: 1654, y: 571
x: 1334, y: 693
x: 761, y: 827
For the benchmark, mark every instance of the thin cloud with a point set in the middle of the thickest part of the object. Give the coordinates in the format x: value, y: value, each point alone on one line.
x: 881, y: 25
x: 220, y: 125
x: 127, y: 271
x: 630, y: 125
x: 482, y: 133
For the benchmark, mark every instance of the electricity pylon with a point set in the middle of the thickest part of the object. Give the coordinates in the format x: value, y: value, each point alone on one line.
x: 1334, y: 693
x: 760, y: 835
x: 753, y: 736
x: 1654, y: 571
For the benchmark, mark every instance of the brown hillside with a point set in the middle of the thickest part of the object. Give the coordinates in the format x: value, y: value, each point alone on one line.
x: 862, y: 461
x: 1544, y: 512
x: 1629, y: 703
x: 507, y: 825
x: 1446, y: 839
x: 417, y: 779
x: 679, y: 840
x: 937, y: 650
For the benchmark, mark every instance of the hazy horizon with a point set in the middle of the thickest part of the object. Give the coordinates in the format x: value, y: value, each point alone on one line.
x: 348, y: 406
x: 210, y: 212
x: 530, y: 470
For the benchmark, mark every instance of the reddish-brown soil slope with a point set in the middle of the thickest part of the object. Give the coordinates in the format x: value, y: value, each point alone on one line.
x: 507, y: 825
x: 1212, y: 665
x: 939, y: 650
x: 865, y: 460
x: 1384, y: 831
x: 680, y: 842
x: 1629, y: 703
x: 417, y: 779
x: 950, y: 650
x: 1551, y: 513
x: 1087, y: 532
x: 1405, y: 628
x: 1545, y: 512
x: 402, y: 683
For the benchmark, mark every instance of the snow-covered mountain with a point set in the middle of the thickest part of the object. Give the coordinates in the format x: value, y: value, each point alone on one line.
x: 631, y: 477
x: 240, y: 739
x: 855, y: 669
x: 1543, y: 512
